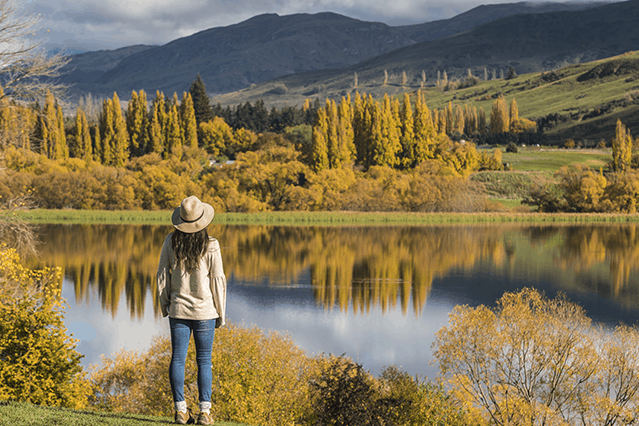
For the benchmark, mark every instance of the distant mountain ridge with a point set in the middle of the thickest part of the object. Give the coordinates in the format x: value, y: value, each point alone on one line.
x: 483, y: 14
x: 269, y: 46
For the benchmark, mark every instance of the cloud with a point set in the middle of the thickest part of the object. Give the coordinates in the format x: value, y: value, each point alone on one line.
x: 114, y: 23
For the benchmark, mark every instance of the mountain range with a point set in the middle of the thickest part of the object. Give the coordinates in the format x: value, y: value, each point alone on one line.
x: 325, y: 49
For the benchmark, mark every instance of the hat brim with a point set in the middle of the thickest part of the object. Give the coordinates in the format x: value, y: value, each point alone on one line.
x: 198, y: 225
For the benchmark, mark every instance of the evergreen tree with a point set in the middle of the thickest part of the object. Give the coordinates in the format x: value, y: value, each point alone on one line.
x: 189, y: 123
x: 260, y: 117
x: 201, y: 102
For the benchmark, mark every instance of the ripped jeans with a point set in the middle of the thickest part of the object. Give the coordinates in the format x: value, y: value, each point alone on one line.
x: 203, y: 333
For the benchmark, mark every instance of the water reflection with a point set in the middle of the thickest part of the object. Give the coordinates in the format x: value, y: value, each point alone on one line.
x: 353, y: 268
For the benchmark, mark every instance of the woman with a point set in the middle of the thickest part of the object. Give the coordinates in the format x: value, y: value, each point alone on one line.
x: 192, y: 289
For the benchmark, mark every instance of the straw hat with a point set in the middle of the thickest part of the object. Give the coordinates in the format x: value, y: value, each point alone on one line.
x: 192, y: 215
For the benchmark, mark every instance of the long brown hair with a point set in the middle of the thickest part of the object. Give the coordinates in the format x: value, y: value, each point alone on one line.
x: 189, y: 247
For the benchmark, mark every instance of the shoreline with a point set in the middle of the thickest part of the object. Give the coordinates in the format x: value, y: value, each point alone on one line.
x: 138, y: 217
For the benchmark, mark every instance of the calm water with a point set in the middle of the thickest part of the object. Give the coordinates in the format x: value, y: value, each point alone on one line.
x: 377, y: 294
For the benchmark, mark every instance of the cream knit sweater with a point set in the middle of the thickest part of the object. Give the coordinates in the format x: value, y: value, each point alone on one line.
x: 198, y: 295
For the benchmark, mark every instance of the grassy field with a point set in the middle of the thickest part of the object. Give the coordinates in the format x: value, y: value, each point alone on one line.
x: 19, y: 413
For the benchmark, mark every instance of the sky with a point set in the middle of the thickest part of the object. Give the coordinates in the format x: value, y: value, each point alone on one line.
x: 109, y: 24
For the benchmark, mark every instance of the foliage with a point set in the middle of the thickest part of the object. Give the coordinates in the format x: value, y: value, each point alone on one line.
x: 533, y: 360
x: 38, y: 360
x: 258, y: 378
x: 344, y: 394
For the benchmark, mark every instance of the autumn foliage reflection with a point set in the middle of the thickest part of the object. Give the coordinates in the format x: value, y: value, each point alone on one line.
x: 358, y: 268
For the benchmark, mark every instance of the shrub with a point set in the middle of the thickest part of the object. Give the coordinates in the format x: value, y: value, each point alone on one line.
x: 512, y: 148
x: 344, y: 394
x: 258, y: 378
x: 38, y: 360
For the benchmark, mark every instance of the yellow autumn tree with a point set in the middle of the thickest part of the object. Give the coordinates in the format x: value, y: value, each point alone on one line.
x: 538, y: 361
x: 499, y: 119
x: 621, y: 148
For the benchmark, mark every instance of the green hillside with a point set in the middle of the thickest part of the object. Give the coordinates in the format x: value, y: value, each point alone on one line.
x: 581, y: 102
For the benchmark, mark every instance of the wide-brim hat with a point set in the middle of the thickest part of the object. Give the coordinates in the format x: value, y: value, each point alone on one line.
x: 192, y: 215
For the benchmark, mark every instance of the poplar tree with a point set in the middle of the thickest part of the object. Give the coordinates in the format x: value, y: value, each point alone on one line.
x: 514, y: 116
x: 460, y: 121
x: 450, y: 118
x: 499, y: 120
x: 47, y: 130
x: 386, y: 143
x: 424, y: 131
x: 63, y: 148
x: 107, y: 133
x: 346, y: 131
x: 120, y: 137
x: 482, y: 121
x: 174, y: 137
x: 157, y: 125
x: 319, y: 145
x: 154, y: 132
x: 189, y: 123
x: 97, y: 143
x: 621, y: 148
x: 136, y: 123
x: 407, y: 139
x: 82, y: 147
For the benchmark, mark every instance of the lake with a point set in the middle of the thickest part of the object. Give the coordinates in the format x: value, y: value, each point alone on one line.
x: 376, y: 294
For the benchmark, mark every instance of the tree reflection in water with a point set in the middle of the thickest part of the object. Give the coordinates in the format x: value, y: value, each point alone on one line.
x: 356, y: 268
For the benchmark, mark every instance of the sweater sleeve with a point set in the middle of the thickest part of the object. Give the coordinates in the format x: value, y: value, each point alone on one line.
x: 218, y: 280
x: 164, y: 277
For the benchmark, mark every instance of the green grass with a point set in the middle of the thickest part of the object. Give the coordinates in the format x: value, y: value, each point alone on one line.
x: 551, y: 160
x: 21, y: 413
x: 326, y: 218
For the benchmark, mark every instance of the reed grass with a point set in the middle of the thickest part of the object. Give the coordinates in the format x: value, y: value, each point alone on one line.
x: 40, y: 216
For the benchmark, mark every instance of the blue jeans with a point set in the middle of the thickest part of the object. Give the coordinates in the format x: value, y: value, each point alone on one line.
x: 203, y: 332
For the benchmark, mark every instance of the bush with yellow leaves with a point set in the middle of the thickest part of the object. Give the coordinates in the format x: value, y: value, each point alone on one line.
x: 537, y: 361
x: 258, y: 378
x: 38, y: 360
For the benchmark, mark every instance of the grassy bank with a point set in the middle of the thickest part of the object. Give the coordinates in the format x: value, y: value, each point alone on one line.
x: 19, y: 413
x: 40, y: 216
